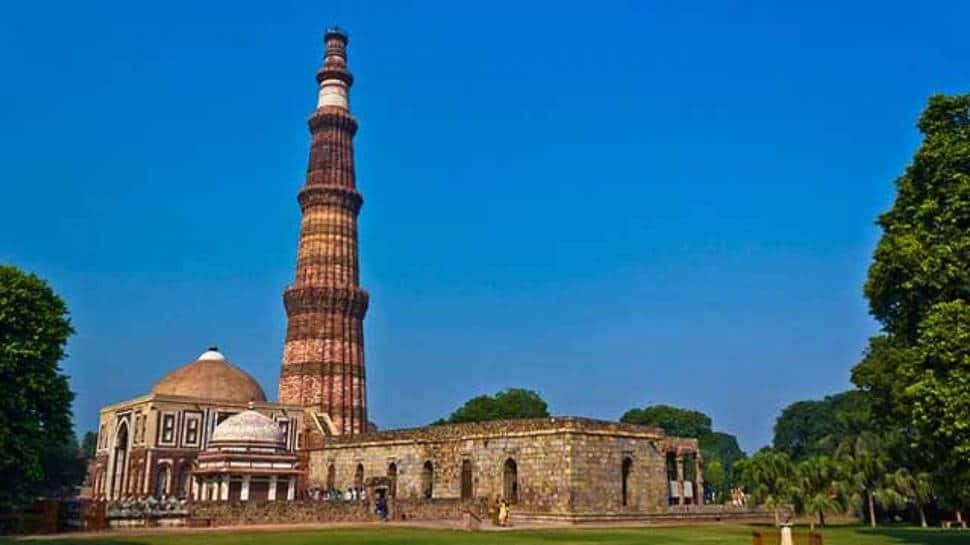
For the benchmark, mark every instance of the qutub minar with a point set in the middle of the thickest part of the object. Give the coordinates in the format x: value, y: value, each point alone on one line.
x: 207, y: 433
x: 323, y: 359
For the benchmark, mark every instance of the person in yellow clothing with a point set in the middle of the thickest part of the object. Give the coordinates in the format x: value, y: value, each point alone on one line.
x: 503, y: 513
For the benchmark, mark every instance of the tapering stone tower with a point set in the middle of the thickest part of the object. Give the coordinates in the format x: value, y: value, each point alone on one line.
x: 323, y: 359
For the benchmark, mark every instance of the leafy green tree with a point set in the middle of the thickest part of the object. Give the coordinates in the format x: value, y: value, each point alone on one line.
x: 721, y: 449
x: 914, y: 488
x: 674, y: 421
x: 923, y: 256
x: 918, y: 288
x: 815, y: 427
x: 715, y: 446
x: 866, y: 463
x: 717, y: 478
x: 769, y: 476
x: 505, y: 405
x: 64, y: 468
x: 35, y: 400
x: 938, y: 396
x: 817, y: 491
x: 89, y: 445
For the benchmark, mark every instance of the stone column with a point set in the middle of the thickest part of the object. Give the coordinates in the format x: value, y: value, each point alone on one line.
x: 244, y: 491
x: 272, y: 488
x: 224, y: 488
x: 699, y: 480
x: 290, y: 489
x: 680, y: 479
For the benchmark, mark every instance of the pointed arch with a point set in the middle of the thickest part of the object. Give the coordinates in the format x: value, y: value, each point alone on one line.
x: 625, y: 470
x: 510, y: 481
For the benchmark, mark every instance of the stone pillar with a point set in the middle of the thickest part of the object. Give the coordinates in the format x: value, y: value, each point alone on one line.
x: 290, y: 489
x: 680, y: 478
x: 272, y: 488
x: 224, y: 488
x: 244, y: 492
x: 699, y: 480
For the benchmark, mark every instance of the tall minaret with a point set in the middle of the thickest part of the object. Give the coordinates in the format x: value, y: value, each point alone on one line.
x: 323, y: 359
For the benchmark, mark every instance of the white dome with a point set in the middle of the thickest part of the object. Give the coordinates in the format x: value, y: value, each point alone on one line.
x: 249, y: 427
x: 211, y: 355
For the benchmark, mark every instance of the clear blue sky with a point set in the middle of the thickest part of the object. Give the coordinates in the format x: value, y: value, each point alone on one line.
x: 619, y: 205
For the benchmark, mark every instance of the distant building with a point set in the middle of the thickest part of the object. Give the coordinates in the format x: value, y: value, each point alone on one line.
x: 207, y: 432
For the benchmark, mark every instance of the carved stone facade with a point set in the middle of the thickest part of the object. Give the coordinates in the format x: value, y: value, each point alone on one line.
x: 323, y: 358
x: 147, y: 446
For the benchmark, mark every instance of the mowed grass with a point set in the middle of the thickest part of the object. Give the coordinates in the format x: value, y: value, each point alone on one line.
x: 729, y: 535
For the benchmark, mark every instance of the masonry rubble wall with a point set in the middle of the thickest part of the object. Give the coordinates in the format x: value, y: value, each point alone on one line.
x: 295, y: 512
x: 562, y: 465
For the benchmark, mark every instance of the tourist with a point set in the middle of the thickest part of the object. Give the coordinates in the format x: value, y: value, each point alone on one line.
x: 381, y: 509
x: 503, y: 513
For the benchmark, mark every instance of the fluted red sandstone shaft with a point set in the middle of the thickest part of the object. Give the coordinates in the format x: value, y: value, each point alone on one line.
x: 323, y: 359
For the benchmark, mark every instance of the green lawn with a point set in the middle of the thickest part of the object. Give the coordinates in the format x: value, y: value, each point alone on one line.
x: 737, y: 535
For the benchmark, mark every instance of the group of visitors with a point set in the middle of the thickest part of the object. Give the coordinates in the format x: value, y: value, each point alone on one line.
x: 738, y: 498
x: 352, y: 494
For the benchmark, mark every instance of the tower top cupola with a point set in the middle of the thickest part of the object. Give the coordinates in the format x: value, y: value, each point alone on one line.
x: 334, y: 77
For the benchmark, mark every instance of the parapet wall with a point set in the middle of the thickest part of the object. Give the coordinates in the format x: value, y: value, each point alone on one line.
x: 296, y: 512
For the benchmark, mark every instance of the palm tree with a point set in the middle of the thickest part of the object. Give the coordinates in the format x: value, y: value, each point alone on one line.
x: 816, y: 490
x: 770, y: 478
x: 915, y: 488
x: 865, y: 461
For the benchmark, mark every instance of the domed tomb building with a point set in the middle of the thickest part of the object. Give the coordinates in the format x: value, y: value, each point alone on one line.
x: 246, y: 460
x: 148, y: 446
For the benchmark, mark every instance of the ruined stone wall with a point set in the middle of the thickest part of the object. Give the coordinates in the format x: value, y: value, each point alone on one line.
x: 597, y: 474
x: 541, y: 462
x: 295, y: 512
x: 562, y: 465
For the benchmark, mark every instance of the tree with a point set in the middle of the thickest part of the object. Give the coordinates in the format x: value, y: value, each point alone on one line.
x: 35, y: 400
x: 717, y: 478
x: 816, y: 491
x: 923, y: 256
x: 938, y: 397
x: 770, y: 478
x: 674, y: 421
x: 89, y: 445
x: 918, y: 287
x: 505, y: 405
x: 815, y: 427
x: 866, y: 463
x: 716, y: 447
x: 722, y: 449
x: 915, y: 488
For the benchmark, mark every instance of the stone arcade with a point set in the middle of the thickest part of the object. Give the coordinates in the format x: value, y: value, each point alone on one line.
x: 207, y: 433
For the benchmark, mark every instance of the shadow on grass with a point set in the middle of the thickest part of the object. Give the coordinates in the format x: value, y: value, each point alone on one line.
x: 919, y: 536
